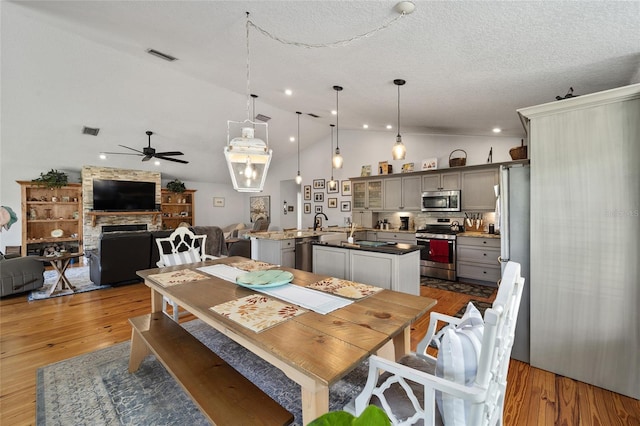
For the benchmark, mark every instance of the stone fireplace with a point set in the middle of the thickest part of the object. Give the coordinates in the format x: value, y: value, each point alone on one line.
x: 121, y: 221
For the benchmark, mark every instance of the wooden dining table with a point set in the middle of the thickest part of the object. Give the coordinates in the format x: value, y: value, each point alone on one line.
x: 313, y: 350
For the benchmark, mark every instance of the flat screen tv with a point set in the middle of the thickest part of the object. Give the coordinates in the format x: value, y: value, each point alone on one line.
x: 123, y: 195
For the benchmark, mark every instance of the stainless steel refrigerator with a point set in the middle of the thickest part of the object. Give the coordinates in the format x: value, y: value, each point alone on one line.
x: 513, y: 211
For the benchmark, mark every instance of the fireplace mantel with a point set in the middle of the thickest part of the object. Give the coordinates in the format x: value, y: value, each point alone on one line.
x: 94, y: 215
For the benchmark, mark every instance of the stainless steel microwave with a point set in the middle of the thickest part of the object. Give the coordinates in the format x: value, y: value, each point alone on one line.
x: 441, y: 201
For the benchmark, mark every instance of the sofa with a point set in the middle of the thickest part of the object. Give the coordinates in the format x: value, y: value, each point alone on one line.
x: 20, y: 274
x: 119, y: 255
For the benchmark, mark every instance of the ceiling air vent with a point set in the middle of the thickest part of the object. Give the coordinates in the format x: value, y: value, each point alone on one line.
x: 263, y: 117
x: 313, y: 115
x: 90, y: 131
x: 161, y: 55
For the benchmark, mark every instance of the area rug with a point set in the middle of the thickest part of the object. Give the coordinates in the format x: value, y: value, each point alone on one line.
x: 481, y: 306
x: 476, y: 290
x: 96, y: 388
x: 79, y: 278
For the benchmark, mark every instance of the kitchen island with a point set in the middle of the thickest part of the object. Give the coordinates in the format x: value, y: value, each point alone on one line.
x: 391, y: 266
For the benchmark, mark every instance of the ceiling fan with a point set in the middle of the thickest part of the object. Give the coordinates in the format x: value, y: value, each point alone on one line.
x: 148, y: 152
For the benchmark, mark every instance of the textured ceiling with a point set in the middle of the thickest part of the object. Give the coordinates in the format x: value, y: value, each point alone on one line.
x: 468, y: 64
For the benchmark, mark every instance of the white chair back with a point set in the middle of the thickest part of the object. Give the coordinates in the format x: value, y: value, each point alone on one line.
x: 181, y: 247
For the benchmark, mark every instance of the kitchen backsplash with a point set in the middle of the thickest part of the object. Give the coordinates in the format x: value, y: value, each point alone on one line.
x: 419, y: 220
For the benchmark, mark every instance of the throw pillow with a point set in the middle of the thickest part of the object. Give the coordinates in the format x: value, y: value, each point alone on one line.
x: 190, y: 256
x: 457, y: 361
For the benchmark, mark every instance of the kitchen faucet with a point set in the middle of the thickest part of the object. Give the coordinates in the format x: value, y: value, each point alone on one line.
x: 315, y: 220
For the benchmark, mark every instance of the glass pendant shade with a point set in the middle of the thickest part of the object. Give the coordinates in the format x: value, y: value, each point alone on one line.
x: 398, y: 152
x: 337, y: 159
x: 298, y: 177
x: 248, y: 158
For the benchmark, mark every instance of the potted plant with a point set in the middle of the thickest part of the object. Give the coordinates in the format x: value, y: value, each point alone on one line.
x: 371, y: 416
x: 176, y: 186
x: 52, y: 179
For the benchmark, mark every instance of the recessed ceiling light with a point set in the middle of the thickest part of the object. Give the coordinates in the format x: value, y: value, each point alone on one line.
x: 292, y: 139
x: 334, y: 112
x: 365, y: 126
x: 389, y: 127
x: 157, y: 162
x: 103, y: 156
x: 497, y: 130
x: 288, y: 92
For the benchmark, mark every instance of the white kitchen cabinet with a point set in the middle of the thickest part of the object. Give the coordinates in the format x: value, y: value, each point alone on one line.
x: 364, y: 218
x: 477, y: 189
x: 367, y: 195
x: 477, y: 259
x: 441, y: 181
x: 402, y: 193
x: 398, y: 272
x: 278, y: 252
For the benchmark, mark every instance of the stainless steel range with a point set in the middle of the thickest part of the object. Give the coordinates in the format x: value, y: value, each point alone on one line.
x: 438, y: 258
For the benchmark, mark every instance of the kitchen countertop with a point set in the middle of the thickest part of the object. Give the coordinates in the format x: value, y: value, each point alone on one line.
x: 285, y: 235
x: 474, y: 234
x: 395, y: 248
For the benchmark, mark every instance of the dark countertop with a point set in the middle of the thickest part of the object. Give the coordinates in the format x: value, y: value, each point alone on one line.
x: 388, y: 248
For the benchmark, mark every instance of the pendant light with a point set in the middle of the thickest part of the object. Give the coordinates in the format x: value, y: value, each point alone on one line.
x: 337, y: 158
x: 248, y: 157
x: 298, y: 177
x: 332, y: 183
x: 399, y: 151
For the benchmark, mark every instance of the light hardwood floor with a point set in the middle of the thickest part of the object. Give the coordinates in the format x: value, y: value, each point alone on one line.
x: 34, y: 334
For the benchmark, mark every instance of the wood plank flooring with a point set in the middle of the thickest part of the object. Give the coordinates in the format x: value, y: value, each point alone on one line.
x: 34, y: 334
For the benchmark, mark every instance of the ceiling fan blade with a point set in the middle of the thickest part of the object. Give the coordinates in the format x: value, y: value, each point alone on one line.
x: 131, y: 149
x: 169, y: 153
x: 122, y: 153
x: 147, y: 157
x: 175, y: 160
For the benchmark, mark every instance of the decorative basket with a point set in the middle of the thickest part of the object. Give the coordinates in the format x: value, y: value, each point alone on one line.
x: 519, y: 152
x: 457, y: 162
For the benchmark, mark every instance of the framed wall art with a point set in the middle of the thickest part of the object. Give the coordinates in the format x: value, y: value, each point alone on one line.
x: 259, y: 207
x: 318, y: 197
x: 335, y: 189
x: 307, y: 208
x: 318, y: 184
x: 307, y: 192
x: 318, y: 209
x: 332, y: 203
x: 218, y: 201
x: 345, y: 206
x: 346, y: 187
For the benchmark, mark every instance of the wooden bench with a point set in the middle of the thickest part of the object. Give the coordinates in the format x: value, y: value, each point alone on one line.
x: 225, y: 396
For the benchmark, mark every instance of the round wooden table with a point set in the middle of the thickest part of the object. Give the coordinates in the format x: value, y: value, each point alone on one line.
x: 60, y: 263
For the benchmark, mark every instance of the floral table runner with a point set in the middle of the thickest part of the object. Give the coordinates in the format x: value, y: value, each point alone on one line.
x: 257, y: 312
x: 168, y: 279
x: 349, y: 289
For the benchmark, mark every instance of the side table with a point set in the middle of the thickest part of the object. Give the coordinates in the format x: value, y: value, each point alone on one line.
x: 60, y: 263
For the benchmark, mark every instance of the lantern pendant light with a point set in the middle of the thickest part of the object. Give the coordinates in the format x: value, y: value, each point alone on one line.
x: 399, y: 151
x: 298, y: 177
x: 337, y: 158
x: 332, y: 183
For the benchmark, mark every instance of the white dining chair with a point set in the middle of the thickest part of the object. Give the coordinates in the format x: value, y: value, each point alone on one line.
x: 466, y: 383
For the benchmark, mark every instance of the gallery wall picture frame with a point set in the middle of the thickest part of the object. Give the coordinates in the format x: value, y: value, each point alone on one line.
x: 318, y: 197
x: 333, y: 190
x: 318, y: 209
x: 332, y: 203
x: 318, y: 184
x: 259, y: 207
x: 345, y: 206
x: 307, y: 192
x: 346, y: 187
x: 218, y: 201
x: 307, y: 208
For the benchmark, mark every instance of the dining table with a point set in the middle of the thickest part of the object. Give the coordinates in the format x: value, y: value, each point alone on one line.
x: 313, y: 349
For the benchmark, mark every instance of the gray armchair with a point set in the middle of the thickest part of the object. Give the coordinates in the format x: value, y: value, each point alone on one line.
x: 20, y: 274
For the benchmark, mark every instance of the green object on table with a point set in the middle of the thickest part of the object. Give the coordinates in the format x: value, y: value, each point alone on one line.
x: 263, y: 279
x: 371, y: 243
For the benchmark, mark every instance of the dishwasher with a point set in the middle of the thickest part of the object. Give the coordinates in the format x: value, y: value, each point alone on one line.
x: 304, y: 253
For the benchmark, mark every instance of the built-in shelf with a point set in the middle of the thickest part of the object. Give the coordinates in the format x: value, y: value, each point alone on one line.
x: 94, y: 215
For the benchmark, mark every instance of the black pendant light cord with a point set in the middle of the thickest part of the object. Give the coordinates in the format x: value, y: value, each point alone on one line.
x: 298, y: 112
x: 337, y: 89
x: 399, y: 82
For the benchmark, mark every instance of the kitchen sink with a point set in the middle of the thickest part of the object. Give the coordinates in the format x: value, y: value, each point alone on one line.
x: 371, y: 243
